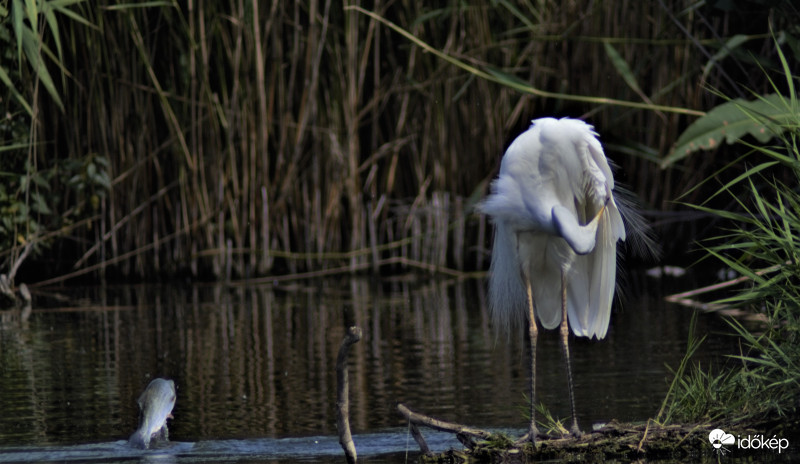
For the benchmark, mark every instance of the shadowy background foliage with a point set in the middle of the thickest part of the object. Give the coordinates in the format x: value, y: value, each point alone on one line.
x: 244, y: 138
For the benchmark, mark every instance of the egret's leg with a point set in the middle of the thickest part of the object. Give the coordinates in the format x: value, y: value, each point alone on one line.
x: 565, y: 346
x: 533, y: 332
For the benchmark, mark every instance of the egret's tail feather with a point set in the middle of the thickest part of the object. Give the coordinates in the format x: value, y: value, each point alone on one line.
x: 507, y: 297
x: 641, y: 240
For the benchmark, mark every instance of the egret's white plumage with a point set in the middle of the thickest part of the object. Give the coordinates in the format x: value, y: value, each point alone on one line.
x: 557, y: 225
x: 556, y: 166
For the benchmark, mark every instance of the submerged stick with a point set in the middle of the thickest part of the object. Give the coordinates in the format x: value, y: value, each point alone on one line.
x: 686, y: 298
x: 343, y: 397
x: 423, y: 445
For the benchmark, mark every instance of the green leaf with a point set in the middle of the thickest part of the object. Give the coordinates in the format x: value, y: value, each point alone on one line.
x: 523, y: 17
x: 20, y: 99
x: 101, y: 160
x: 729, y: 46
x: 62, y: 6
x: 39, y: 204
x: 17, y: 16
x: 762, y: 118
x: 31, y: 46
x: 128, y: 6
x: 505, y: 78
x: 52, y: 23
x: 33, y: 10
x: 622, y: 67
x: 102, y: 180
x: 40, y: 181
x: 76, y: 181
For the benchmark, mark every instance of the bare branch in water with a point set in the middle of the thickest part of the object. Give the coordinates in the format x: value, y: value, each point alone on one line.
x: 343, y: 397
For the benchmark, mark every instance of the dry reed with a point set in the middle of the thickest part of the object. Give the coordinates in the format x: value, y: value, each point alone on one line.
x: 249, y: 138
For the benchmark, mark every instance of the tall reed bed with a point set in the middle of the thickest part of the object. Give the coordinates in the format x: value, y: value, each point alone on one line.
x: 251, y: 138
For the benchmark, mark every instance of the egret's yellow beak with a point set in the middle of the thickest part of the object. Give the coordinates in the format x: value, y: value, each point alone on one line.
x: 602, y: 210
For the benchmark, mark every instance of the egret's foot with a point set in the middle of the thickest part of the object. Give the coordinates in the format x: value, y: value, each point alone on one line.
x: 575, y: 431
x: 529, y: 437
x: 533, y: 432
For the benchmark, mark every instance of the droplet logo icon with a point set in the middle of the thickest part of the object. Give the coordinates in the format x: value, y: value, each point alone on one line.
x: 718, y: 437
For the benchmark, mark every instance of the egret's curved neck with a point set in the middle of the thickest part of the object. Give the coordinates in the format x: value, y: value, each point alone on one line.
x: 580, y: 238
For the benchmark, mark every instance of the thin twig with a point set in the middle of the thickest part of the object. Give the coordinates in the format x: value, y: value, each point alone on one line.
x: 644, y: 436
x: 14, y: 267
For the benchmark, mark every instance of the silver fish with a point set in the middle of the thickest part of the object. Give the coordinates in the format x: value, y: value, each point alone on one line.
x: 155, y: 407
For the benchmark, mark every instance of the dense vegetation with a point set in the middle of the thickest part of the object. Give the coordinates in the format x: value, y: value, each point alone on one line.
x: 759, y: 242
x: 249, y: 138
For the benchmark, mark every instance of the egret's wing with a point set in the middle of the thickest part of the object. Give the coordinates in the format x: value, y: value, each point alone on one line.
x: 593, y: 278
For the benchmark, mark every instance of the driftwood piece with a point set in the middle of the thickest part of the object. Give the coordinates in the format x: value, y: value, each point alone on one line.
x: 421, y: 419
x: 343, y: 396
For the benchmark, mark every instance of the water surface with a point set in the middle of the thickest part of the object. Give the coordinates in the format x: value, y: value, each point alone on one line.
x: 254, y: 367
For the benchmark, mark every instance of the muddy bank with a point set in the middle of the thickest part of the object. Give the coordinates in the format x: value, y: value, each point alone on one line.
x: 617, y: 441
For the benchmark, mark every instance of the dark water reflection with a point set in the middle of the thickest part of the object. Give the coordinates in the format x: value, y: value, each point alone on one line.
x: 258, y: 362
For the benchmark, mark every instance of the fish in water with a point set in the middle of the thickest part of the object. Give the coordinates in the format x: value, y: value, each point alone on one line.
x: 155, y: 407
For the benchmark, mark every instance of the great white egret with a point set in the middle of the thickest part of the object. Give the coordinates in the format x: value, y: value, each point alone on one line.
x: 557, y: 225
